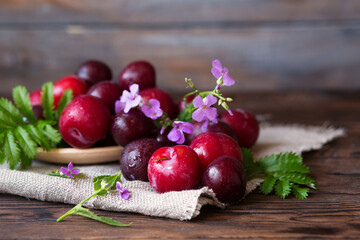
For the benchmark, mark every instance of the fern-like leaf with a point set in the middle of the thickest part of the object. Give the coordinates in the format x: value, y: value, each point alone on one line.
x: 28, y: 145
x: 11, y: 112
x: 299, y: 192
x: 65, y: 99
x: 39, y: 137
x: 267, y: 185
x: 47, y: 101
x: 282, y: 189
x: 299, y: 178
x: 22, y: 100
x: 11, y: 150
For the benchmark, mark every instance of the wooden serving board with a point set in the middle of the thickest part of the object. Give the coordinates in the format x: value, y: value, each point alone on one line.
x: 81, y: 156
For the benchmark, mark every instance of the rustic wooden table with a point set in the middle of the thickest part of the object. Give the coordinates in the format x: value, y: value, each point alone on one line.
x: 331, y: 212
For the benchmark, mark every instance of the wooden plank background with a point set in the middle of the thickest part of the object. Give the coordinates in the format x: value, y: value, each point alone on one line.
x: 268, y: 45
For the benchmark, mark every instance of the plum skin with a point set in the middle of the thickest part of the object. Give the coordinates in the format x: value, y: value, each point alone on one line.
x: 84, y: 121
x: 226, y: 177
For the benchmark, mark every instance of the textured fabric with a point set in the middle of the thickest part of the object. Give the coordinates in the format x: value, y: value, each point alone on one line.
x: 185, y: 205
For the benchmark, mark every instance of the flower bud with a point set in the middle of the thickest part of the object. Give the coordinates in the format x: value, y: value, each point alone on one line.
x: 224, y: 105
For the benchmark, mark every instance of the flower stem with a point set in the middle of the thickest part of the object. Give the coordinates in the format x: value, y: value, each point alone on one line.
x: 74, y: 209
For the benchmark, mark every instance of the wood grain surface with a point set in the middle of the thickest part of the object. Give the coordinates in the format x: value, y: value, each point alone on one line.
x: 332, y: 212
x: 267, y: 45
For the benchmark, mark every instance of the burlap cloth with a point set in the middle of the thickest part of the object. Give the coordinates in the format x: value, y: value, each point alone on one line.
x: 185, y: 205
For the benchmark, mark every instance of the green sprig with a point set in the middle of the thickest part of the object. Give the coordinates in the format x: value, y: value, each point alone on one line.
x: 21, y: 133
x: 102, y: 186
x: 283, y: 174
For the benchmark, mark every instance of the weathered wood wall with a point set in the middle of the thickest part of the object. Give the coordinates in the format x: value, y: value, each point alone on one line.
x: 267, y: 44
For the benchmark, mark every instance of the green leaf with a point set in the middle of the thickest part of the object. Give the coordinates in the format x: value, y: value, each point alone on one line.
x: 28, y: 145
x: 87, y: 213
x: 11, y: 150
x: 6, y: 122
x: 11, y: 112
x: 110, y: 181
x: 65, y: 99
x: 38, y: 136
x: 51, y: 133
x: 267, y: 161
x: 267, y: 185
x: 2, y: 154
x: 251, y: 168
x: 22, y: 100
x: 47, y: 100
x: 299, y: 192
x: 25, y: 160
x: 288, y: 162
x: 282, y: 189
x: 299, y: 178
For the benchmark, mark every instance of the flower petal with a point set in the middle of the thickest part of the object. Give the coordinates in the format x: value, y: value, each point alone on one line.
x: 211, y: 113
x: 64, y: 170
x: 174, y: 135
x: 199, y: 115
x: 205, y: 125
x: 75, y: 171
x: 125, y: 194
x: 210, y: 100
x: 127, y: 107
x: 154, y: 103
x: 118, y: 185
x: 198, y: 102
x: 216, y: 72
x: 217, y: 64
x: 70, y: 166
x: 227, y: 80
x: 187, y: 127
x: 119, y: 106
x: 181, y: 139
x: 134, y: 89
x: 125, y: 96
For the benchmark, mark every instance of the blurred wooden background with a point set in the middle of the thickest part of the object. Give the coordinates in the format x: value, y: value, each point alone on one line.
x: 268, y: 45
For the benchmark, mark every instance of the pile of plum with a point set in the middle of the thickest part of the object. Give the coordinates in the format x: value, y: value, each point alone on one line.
x: 210, y: 157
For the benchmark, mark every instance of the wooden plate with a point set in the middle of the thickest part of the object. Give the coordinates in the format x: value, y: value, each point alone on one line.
x: 81, y: 156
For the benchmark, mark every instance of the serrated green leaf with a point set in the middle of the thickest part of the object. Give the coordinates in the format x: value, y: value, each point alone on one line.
x: 51, y: 133
x: 87, y: 213
x: 47, y: 100
x: 299, y: 178
x: 251, y: 168
x: 299, y: 192
x: 25, y: 160
x: 10, y: 111
x: 267, y: 185
x: 2, y: 154
x: 282, y: 189
x: 22, y: 100
x: 28, y: 145
x: 288, y: 162
x: 11, y: 150
x: 267, y: 161
x: 6, y: 122
x: 65, y: 99
x: 38, y: 136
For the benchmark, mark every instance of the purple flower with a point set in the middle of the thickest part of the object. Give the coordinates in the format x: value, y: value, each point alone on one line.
x: 204, y: 110
x: 177, y: 133
x: 219, y: 71
x: 70, y: 170
x: 153, y: 111
x: 130, y: 99
x: 124, y: 192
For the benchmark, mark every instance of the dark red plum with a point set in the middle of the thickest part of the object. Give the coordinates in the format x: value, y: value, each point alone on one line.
x: 84, y: 121
x: 245, y: 126
x: 139, y: 72
x: 94, y: 71
x: 135, y: 157
x: 226, y: 177
x: 127, y: 127
x: 108, y: 92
